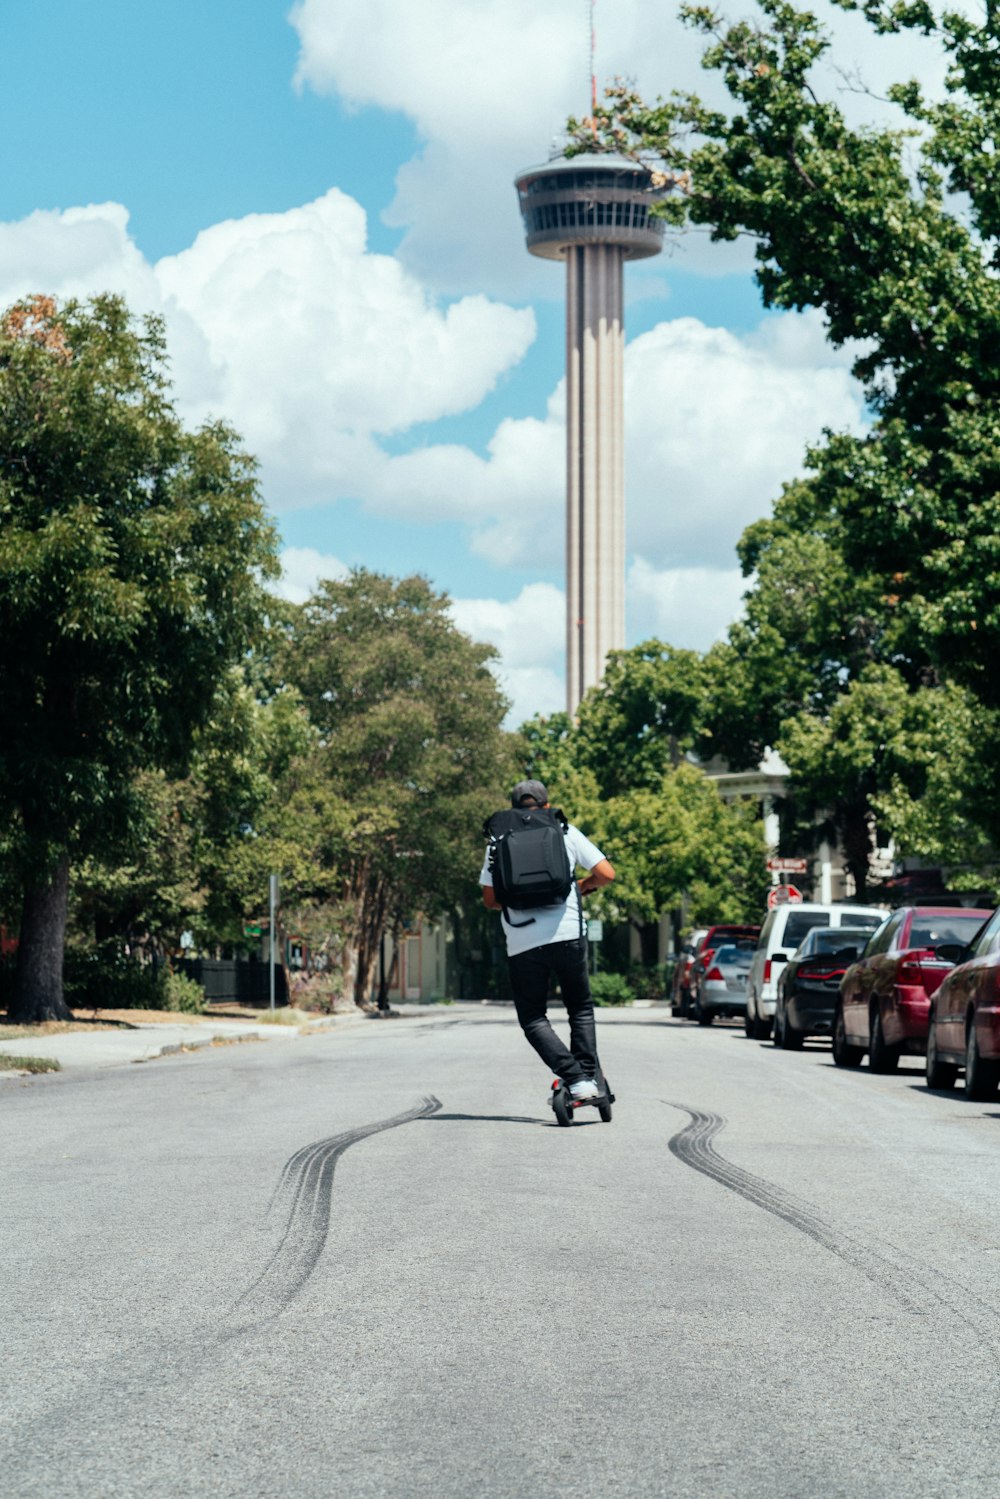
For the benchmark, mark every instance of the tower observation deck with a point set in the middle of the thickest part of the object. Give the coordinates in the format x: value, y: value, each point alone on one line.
x: 593, y: 212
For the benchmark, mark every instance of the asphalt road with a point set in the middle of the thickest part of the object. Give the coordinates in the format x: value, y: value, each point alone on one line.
x: 369, y: 1264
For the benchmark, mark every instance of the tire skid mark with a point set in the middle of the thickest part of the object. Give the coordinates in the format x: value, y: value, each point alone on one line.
x: 306, y: 1185
x: 693, y: 1147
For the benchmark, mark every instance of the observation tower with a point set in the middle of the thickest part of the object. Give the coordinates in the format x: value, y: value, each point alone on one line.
x: 593, y: 212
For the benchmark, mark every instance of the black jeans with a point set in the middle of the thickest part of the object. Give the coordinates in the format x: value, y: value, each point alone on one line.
x: 529, y: 978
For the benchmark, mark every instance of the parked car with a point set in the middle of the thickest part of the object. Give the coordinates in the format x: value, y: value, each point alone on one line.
x: 809, y: 983
x: 780, y: 935
x: 681, y: 997
x: 885, y: 997
x: 721, y: 987
x: 723, y: 933
x: 964, y: 1023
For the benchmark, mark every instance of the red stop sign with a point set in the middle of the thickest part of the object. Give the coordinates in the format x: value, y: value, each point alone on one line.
x: 783, y: 895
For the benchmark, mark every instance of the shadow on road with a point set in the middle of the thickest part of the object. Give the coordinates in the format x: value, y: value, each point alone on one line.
x: 495, y: 1119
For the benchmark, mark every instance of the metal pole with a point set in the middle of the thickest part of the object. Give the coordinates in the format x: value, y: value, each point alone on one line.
x: 272, y: 892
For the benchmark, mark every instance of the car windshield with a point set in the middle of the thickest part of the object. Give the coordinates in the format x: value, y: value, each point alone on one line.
x: 738, y: 955
x: 929, y: 931
x: 831, y: 939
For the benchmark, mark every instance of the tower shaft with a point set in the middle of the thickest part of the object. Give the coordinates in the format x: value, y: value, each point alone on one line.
x: 595, y: 464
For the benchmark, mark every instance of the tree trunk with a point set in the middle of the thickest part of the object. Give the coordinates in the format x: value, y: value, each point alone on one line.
x: 38, y: 979
x: 649, y: 943
x: 856, y: 836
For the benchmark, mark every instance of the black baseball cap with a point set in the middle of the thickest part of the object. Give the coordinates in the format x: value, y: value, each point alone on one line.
x: 534, y: 789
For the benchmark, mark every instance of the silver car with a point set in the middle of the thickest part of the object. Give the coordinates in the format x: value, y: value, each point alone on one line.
x: 722, y: 988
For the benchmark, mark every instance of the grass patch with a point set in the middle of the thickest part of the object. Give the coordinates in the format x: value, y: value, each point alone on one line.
x: 283, y: 1016
x: 28, y: 1064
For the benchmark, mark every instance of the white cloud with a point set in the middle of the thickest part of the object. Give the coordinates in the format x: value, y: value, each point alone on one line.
x: 289, y: 327
x: 714, y: 425
x: 689, y: 607
x: 489, y: 86
x: 528, y: 631
x: 302, y: 568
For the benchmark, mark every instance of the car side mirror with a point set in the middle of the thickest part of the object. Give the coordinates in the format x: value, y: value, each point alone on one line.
x: 779, y: 957
x: 952, y: 952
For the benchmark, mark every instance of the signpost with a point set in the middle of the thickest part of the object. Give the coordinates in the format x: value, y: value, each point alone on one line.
x: 272, y: 901
x: 788, y: 866
x: 783, y: 895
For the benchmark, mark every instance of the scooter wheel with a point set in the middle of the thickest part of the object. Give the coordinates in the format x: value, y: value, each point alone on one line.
x: 561, y: 1108
x: 604, y: 1109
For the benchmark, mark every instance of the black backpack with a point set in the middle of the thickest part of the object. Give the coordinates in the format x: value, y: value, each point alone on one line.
x: 528, y: 859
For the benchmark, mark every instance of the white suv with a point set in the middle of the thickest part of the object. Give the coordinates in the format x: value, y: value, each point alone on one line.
x: 780, y: 935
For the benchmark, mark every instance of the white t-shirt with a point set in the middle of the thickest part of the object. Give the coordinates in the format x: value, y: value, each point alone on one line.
x: 558, y: 923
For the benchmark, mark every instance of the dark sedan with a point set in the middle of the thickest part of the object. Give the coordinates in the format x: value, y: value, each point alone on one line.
x: 809, y: 985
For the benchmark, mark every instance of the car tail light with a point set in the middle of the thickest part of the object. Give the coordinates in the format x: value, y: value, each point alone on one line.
x: 815, y: 972
x: 767, y: 970
x: 706, y: 957
x: 714, y: 976
x: 910, y: 970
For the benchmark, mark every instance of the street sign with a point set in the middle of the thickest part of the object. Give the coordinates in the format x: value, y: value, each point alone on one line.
x: 255, y: 930
x: 788, y: 866
x: 783, y: 895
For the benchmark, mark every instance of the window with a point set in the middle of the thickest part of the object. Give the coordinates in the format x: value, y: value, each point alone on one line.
x: 800, y: 923
x: 881, y: 937
x: 928, y: 932
x: 989, y: 939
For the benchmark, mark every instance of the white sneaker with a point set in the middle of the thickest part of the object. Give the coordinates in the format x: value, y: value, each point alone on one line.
x: 586, y: 1088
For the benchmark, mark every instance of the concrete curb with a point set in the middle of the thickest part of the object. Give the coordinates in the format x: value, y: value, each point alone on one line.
x: 145, y: 1043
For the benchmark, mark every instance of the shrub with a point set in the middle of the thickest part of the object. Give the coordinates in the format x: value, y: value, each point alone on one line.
x: 103, y: 978
x: 647, y: 980
x: 611, y: 989
x: 183, y: 994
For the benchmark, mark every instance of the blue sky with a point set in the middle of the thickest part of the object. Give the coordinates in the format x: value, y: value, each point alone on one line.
x: 320, y: 201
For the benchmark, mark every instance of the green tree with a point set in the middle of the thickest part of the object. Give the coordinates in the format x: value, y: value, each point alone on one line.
x: 888, y: 553
x: 132, y: 554
x: 679, y: 847
x: 866, y: 225
x: 643, y: 716
x: 410, y: 755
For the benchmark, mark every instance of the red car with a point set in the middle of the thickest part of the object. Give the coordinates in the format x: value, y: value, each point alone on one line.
x: 885, y: 997
x: 964, y: 1029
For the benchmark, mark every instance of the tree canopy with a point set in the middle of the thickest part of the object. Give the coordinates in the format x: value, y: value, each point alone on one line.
x: 133, y: 556
x: 874, y: 585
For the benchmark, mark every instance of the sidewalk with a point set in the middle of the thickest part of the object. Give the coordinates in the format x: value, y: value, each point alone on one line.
x: 141, y: 1042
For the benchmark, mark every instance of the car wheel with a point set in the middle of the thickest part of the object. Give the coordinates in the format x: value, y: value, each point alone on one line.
x: 778, y: 1030
x: 761, y: 1028
x: 748, y: 1019
x: 981, y: 1077
x: 939, y: 1074
x: 844, y: 1054
x: 881, y: 1057
x: 791, y: 1039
